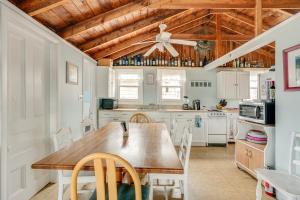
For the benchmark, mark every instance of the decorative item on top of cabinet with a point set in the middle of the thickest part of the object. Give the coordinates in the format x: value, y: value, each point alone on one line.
x: 250, y: 156
x: 291, y: 68
x: 233, y: 85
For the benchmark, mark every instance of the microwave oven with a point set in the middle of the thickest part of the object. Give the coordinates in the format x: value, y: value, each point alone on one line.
x: 262, y: 112
x: 108, y: 104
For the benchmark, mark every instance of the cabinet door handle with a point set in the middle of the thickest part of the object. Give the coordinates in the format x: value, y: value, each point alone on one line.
x: 250, y: 154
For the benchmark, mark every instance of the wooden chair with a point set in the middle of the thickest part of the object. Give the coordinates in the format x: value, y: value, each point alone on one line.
x: 139, y: 118
x: 112, y: 187
x: 184, y: 156
x: 61, y: 139
x: 87, y: 126
x: 286, y: 183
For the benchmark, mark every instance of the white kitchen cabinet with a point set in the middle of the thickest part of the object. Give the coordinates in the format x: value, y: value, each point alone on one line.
x: 102, y: 121
x: 232, y: 121
x: 200, y: 134
x: 105, y: 117
x: 233, y: 85
x: 243, y: 85
x: 183, y: 120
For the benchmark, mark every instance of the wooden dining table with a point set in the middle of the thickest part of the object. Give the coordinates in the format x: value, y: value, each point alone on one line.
x: 148, y: 148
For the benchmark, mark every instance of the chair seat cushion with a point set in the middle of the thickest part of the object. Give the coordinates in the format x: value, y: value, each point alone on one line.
x: 126, y: 192
x: 281, y: 180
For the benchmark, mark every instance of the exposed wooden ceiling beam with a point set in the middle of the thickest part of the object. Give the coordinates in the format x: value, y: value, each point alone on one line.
x: 97, y: 20
x: 218, y: 46
x: 284, y: 12
x: 142, y: 37
x: 259, y: 51
x: 126, y: 52
x: 229, y: 4
x: 239, y: 30
x: 244, y: 19
x: 149, y: 22
x: 180, y: 29
x: 258, y: 17
x: 33, y: 8
x: 188, y: 36
x: 212, y: 37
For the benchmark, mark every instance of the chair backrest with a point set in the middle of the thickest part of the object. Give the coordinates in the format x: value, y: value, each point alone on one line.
x: 185, y: 148
x: 173, y: 129
x: 87, y: 126
x: 62, y: 138
x: 111, y: 161
x: 139, y: 118
x: 294, y: 153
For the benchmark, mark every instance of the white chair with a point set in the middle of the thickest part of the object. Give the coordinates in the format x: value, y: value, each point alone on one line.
x: 173, y: 129
x: 61, y: 139
x: 87, y: 126
x: 286, y: 183
x: 184, y: 156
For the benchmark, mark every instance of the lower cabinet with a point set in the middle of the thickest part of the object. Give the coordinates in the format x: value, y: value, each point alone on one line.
x: 182, y: 119
x: 188, y: 120
x: 249, y: 156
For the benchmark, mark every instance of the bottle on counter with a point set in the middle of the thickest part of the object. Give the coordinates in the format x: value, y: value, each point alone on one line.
x: 272, y: 91
x: 205, y: 61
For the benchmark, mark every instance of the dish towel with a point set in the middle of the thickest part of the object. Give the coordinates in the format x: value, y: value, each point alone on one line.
x: 198, y: 121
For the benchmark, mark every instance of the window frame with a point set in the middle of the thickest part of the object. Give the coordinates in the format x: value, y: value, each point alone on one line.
x: 257, y: 88
x: 140, y: 99
x: 182, y: 87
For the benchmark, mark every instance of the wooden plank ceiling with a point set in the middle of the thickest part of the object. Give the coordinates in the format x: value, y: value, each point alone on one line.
x: 109, y: 28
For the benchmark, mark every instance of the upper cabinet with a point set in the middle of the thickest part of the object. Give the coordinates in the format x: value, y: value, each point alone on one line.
x: 233, y: 85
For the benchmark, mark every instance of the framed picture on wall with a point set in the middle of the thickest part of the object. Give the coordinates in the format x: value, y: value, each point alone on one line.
x: 72, y: 74
x: 150, y: 79
x: 291, y: 68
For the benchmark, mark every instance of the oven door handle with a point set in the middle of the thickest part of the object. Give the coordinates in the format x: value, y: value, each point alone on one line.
x: 257, y: 112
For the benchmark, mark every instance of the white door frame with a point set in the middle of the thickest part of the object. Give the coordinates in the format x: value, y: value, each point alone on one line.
x: 6, y: 13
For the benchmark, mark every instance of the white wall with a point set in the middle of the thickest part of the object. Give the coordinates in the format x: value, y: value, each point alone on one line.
x: 65, y: 106
x: 102, y: 81
x: 70, y: 104
x: 287, y: 103
x: 208, y: 96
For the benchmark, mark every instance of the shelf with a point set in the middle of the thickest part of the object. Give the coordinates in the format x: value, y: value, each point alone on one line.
x: 156, y: 67
x: 243, y: 69
x: 257, y: 124
x: 260, y: 147
x: 198, y: 68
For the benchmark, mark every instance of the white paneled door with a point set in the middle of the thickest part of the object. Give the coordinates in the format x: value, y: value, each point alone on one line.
x: 28, y: 111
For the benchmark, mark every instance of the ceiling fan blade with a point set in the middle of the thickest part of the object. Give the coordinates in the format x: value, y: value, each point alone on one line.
x: 183, y: 42
x: 171, y: 49
x: 145, y: 42
x: 150, y: 51
x: 160, y: 46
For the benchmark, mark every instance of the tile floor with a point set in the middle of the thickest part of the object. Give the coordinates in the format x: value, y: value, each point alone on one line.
x: 212, y: 176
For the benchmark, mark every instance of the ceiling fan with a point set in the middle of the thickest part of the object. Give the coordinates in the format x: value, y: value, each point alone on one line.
x: 163, y: 41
